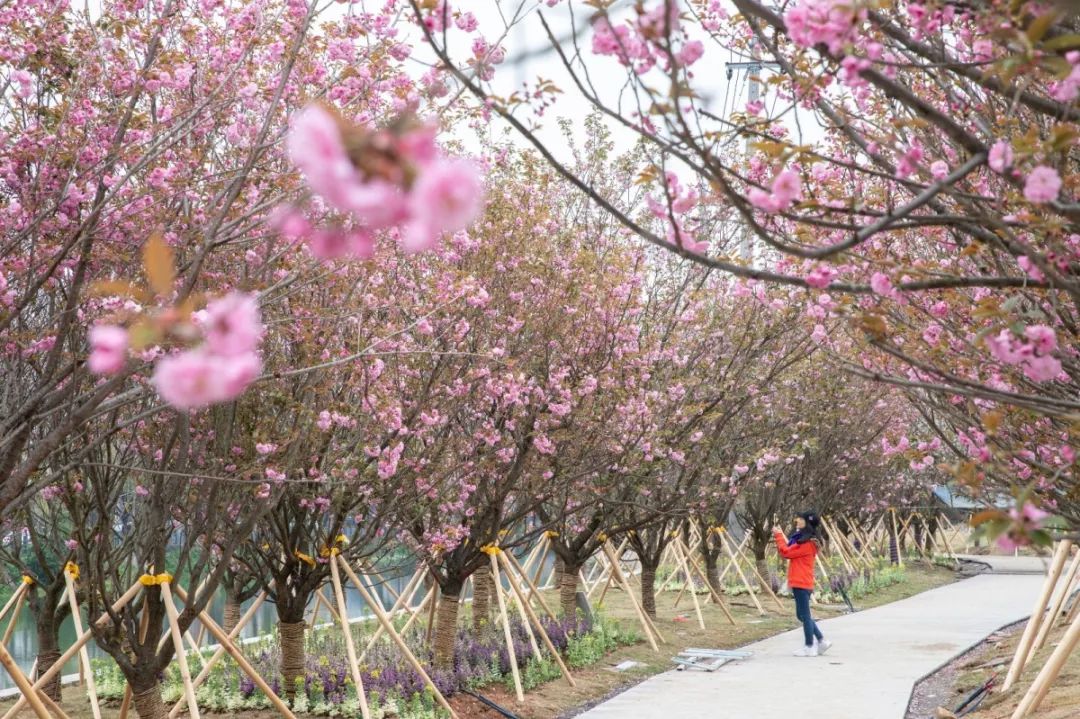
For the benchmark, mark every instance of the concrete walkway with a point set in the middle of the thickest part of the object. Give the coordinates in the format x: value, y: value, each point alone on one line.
x: 877, y: 656
x: 1006, y: 564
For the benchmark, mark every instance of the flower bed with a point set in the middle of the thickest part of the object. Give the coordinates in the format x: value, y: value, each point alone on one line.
x: 392, y: 686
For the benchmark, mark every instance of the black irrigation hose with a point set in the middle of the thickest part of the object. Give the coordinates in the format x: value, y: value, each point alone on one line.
x: 489, y: 703
x: 846, y: 600
x: 974, y: 706
x: 980, y: 693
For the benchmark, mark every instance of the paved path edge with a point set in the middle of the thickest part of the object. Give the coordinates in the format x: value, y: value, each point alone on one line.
x: 954, y: 657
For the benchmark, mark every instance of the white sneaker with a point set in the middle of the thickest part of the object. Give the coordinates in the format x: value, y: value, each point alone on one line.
x: 823, y: 646
x: 805, y: 651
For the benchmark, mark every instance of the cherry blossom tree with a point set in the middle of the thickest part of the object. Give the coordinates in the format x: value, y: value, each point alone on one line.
x: 914, y: 160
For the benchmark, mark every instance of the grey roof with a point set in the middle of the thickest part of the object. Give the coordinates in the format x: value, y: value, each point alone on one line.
x: 946, y: 496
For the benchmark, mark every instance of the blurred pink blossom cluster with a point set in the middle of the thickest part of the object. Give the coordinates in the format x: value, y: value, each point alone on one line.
x: 378, y: 180
x: 833, y: 23
x: 1025, y: 520
x: 653, y: 37
x: 1033, y: 351
x: 219, y: 370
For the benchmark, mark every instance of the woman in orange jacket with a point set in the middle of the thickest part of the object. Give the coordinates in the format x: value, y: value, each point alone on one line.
x: 800, y: 550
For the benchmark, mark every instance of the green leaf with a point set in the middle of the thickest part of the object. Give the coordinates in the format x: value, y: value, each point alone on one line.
x: 1063, y: 42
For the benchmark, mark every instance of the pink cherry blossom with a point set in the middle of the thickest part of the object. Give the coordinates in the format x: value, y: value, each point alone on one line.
x: 1030, y: 268
x: 1001, y: 156
x: 108, y: 349
x: 882, y: 285
x: 1042, y: 337
x: 832, y: 23
x: 1042, y: 369
x: 316, y: 147
x: 233, y: 324
x: 1042, y: 185
x: 447, y: 196
x: 821, y: 276
x: 196, y: 378
x: 690, y: 53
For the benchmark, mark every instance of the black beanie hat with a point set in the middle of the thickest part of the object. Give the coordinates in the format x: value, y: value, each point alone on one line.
x: 811, y: 518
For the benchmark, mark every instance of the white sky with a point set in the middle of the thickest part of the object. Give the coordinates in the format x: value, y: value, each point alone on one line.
x: 527, y: 38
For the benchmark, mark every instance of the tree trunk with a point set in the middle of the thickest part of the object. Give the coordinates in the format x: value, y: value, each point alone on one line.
x: 446, y: 630
x: 482, y: 591
x: 709, y: 558
x: 48, y: 651
x: 231, y: 613
x: 568, y: 592
x: 648, y: 588
x: 760, y: 564
x: 148, y: 704
x: 557, y: 572
x: 292, y: 655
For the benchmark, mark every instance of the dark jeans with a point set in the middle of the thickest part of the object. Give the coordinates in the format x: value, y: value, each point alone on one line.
x: 802, y: 611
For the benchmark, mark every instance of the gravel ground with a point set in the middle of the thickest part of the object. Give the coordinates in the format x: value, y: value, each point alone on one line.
x: 937, y: 689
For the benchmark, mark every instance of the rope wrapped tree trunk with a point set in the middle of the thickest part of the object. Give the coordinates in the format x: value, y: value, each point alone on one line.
x: 45, y: 660
x: 446, y: 631
x: 648, y: 589
x: 568, y: 591
x: 148, y: 703
x: 231, y: 615
x: 481, y: 605
x: 292, y: 655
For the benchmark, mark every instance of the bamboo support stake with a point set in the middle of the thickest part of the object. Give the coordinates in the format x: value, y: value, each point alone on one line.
x: 535, y: 620
x: 24, y: 587
x: 1055, y: 604
x: 221, y: 650
x: 144, y: 627
x: 642, y: 616
x: 665, y: 559
x: 19, y: 597
x: 350, y: 648
x: 402, y: 600
x: 843, y: 545
x: 741, y: 544
x: 948, y: 545
x: 858, y: 557
x: 29, y: 694
x: 525, y: 621
x: 841, y: 550
x: 320, y: 597
x: 865, y: 544
x: 405, y: 596
x: 542, y: 551
x: 764, y: 585
x: 1050, y: 671
x: 690, y: 583
x: 1074, y: 610
x: 607, y: 576
x: 80, y: 642
x: 384, y: 621
x: 895, y: 536
x: 1023, y: 649
x: 537, y: 553
x: 534, y: 590
x: 228, y: 645
x: 726, y: 545
x: 717, y: 599
x: 505, y: 623
x: 429, y: 597
x: 369, y: 572
x: 432, y: 608
x: 70, y: 572
x: 178, y: 645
